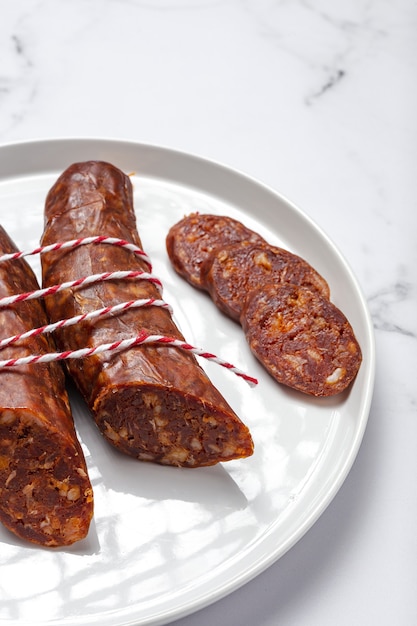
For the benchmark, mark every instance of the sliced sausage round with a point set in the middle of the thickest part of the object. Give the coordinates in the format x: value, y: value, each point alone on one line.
x: 193, y: 239
x: 303, y: 340
x: 235, y: 270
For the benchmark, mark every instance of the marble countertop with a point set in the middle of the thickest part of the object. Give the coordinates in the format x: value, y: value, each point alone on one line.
x: 316, y: 99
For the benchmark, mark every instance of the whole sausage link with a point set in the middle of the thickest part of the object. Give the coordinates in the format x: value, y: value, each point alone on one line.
x: 153, y: 402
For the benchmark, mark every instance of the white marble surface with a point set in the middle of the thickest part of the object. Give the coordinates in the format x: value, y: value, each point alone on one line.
x: 317, y: 99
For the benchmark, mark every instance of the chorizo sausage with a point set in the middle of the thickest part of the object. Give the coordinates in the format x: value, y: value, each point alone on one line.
x: 303, y: 340
x: 281, y: 301
x: 193, y: 239
x: 233, y: 271
x: 153, y: 402
x: 45, y: 493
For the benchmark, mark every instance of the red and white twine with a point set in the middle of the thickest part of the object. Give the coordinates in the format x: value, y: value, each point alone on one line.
x: 142, y: 338
x: 75, y: 243
x: 80, y: 282
x: 85, y: 317
x: 124, y: 344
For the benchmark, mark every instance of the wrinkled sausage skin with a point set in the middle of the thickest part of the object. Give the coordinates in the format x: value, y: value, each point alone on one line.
x: 45, y: 493
x: 153, y: 402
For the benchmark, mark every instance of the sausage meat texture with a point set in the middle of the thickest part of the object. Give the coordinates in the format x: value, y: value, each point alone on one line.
x: 282, y: 303
x: 153, y: 402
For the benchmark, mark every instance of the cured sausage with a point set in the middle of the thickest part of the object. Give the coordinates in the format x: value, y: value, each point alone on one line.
x: 233, y: 271
x: 153, y: 402
x: 45, y: 493
x: 193, y: 239
x: 281, y: 301
x: 302, y: 339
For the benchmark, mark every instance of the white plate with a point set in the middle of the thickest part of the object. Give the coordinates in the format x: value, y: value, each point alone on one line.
x: 165, y: 541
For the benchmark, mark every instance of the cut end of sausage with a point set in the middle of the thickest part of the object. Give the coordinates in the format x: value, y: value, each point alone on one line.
x: 45, y: 495
x: 165, y: 426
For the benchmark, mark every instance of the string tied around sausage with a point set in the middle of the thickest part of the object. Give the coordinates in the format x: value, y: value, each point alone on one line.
x: 81, y: 241
x: 142, y: 338
x: 124, y: 344
x: 80, y: 282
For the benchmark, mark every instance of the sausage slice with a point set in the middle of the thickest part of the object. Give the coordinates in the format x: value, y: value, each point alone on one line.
x: 234, y: 271
x: 192, y: 240
x: 303, y: 340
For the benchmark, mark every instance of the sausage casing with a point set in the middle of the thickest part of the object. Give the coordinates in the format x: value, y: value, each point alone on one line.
x: 45, y: 493
x: 153, y: 402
